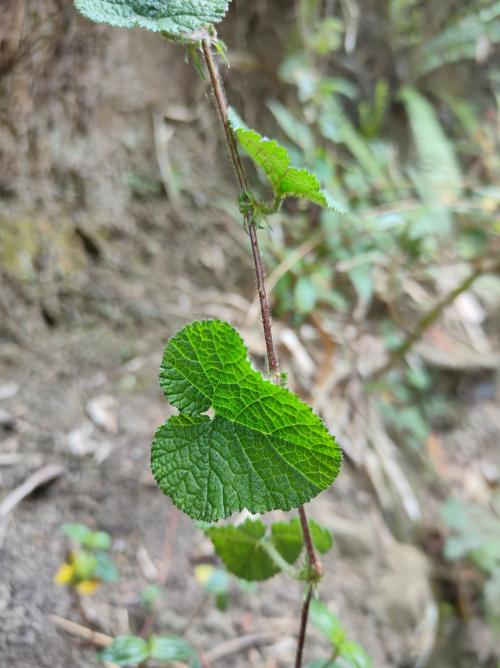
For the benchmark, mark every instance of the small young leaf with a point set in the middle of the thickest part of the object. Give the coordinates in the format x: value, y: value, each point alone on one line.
x: 99, y: 540
x: 170, y: 648
x: 264, y: 449
x: 355, y: 655
x: 105, y: 568
x: 327, y: 623
x: 175, y: 17
x: 288, y: 534
x: 150, y: 596
x: 126, y: 651
x: 76, y: 531
x: 242, y: 550
x: 84, y: 565
x: 322, y: 537
x: 275, y: 160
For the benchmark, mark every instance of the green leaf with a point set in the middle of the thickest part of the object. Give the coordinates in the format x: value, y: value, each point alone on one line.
x: 126, y: 651
x: 327, y: 623
x: 99, y: 540
x: 170, y: 648
x: 355, y: 655
x: 264, y: 450
x: 105, y: 568
x: 85, y: 565
x: 286, y: 534
x: 243, y: 548
x: 150, y: 596
x: 76, y: 531
x: 175, y: 17
x: 275, y: 161
x: 243, y: 553
x: 322, y: 537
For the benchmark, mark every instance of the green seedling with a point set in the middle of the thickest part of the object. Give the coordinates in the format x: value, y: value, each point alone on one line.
x: 160, y: 650
x: 88, y: 564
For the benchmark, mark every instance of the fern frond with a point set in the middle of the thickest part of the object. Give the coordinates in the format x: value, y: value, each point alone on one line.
x: 436, y: 153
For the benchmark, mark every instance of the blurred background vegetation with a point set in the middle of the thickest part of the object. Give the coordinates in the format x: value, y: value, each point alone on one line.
x: 117, y: 223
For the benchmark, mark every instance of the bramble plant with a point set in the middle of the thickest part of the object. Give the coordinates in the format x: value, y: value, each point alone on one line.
x: 263, y: 449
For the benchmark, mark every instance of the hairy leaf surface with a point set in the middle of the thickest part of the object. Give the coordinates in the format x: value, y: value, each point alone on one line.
x: 264, y: 449
x: 275, y: 161
x: 176, y: 17
x: 243, y: 552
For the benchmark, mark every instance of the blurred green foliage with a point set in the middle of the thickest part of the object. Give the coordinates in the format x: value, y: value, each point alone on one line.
x: 162, y: 650
x: 476, y: 536
x: 345, y: 652
x: 376, y: 107
x: 89, y: 564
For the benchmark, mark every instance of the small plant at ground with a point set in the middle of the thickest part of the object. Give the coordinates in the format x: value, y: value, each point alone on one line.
x: 261, y: 448
x: 162, y: 650
x: 88, y: 563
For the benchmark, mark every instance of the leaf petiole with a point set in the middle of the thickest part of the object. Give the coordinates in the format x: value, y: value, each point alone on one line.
x: 280, y: 562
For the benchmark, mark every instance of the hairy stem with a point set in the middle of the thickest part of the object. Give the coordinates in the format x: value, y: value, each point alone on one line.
x: 272, y: 359
x: 314, y: 563
x: 303, y: 627
x: 265, y: 310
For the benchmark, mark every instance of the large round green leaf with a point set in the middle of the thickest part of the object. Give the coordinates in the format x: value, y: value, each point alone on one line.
x: 264, y: 449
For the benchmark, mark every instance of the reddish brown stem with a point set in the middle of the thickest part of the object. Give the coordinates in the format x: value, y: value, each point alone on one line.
x: 272, y: 359
x: 265, y: 310
x: 314, y: 563
x: 303, y: 627
x: 220, y: 98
